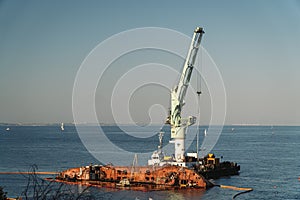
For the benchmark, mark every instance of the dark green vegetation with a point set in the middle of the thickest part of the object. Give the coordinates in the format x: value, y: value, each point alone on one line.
x: 2, y: 194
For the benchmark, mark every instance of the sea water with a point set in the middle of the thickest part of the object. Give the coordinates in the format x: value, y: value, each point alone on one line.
x: 269, y: 157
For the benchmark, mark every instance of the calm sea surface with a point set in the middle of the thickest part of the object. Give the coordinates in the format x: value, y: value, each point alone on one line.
x: 269, y: 158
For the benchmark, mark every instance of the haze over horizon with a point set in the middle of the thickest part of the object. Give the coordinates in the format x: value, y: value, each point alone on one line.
x: 255, y: 45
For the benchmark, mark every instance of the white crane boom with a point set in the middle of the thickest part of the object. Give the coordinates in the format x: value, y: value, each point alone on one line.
x: 179, y: 125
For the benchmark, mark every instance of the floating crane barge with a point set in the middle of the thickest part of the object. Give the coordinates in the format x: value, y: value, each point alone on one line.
x: 182, y: 170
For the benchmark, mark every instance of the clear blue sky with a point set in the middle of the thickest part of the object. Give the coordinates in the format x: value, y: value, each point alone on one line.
x: 255, y: 44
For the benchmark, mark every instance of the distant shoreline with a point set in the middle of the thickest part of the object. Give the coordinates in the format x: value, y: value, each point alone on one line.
x: 107, y: 124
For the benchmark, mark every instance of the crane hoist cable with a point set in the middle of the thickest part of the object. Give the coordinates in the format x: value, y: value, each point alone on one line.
x: 199, y: 92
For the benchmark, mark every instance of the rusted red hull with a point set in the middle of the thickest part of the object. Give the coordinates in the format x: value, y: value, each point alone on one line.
x: 135, y: 178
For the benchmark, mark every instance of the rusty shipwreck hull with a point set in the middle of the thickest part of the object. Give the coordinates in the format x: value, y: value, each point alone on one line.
x: 138, y: 178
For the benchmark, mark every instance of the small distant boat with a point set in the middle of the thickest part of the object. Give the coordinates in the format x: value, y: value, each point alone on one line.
x: 7, y: 129
x: 62, y: 127
x: 205, y: 133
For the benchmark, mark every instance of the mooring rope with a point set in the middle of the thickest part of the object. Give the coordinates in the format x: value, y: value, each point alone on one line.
x: 243, y: 190
x: 250, y: 189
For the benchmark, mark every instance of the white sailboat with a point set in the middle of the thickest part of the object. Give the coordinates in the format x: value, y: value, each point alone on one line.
x: 62, y: 127
x: 205, y: 133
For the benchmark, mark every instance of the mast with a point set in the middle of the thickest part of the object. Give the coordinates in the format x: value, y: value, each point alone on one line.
x: 178, y: 124
x: 62, y: 127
